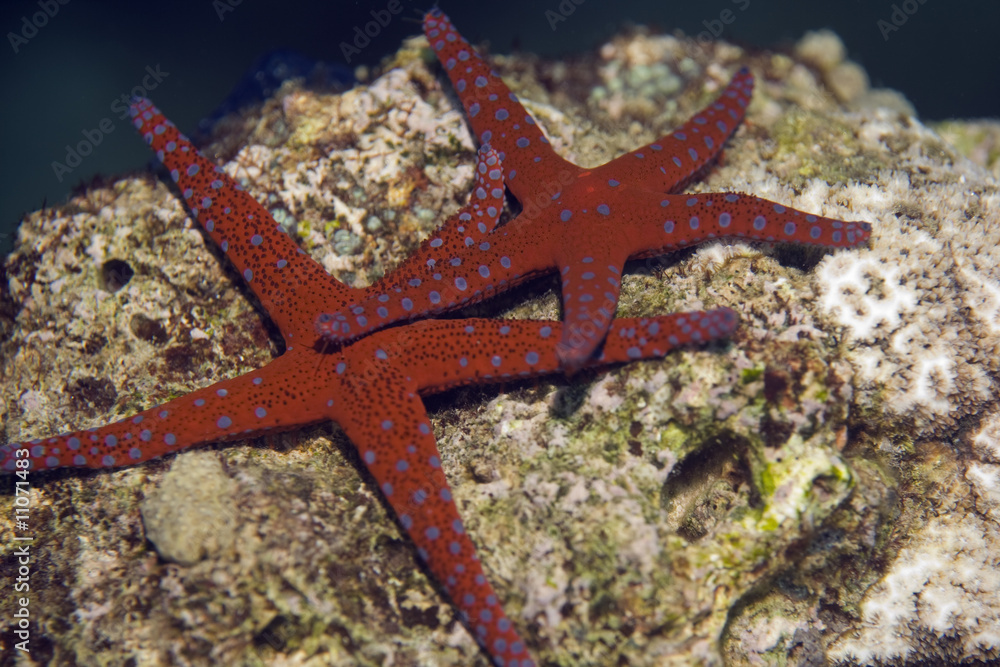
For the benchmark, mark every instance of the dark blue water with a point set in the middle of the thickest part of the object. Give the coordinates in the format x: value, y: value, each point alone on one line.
x: 64, y: 82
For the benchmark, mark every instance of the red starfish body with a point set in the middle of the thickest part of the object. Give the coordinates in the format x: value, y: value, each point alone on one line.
x: 372, y: 387
x: 583, y: 223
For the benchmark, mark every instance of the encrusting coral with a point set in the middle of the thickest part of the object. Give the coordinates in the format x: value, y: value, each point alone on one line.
x: 940, y: 598
x: 922, y: 309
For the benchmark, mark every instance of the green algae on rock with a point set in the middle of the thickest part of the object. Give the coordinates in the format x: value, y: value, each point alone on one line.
x: 978, y: 140
x: 757, y: 502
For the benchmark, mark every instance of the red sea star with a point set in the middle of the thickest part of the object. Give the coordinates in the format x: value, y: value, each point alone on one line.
x: 371, y: 387
x: 584, y: 223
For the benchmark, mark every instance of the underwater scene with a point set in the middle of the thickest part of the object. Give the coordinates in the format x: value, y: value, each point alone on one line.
x: 566, y: 333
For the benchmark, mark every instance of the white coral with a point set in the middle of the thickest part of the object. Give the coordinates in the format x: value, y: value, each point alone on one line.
x: 945, y: 583
x: 920, y: 308
x: 986, y: 441
x: 848, y: 283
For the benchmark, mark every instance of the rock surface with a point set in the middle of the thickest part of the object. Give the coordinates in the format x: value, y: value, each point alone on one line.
x: 826, y: 488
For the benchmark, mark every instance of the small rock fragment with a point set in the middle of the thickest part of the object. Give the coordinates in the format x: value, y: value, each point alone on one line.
x: 191, y: 515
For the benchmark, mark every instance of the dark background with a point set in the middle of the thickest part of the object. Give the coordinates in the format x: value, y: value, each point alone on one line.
x: 62, y: 82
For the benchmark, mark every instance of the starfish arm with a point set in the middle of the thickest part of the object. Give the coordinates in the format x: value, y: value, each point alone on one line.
x: 652, y: 224
x: 672, y: 161
x: 591, y: 282
x: 633, y: 338
x: 291, y: 286
x: 496, y: 116
x: 450, y: 277
x: 667, y: 223
x: 441, y: 354
x: 231, y: 409
x: 388, y: 422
